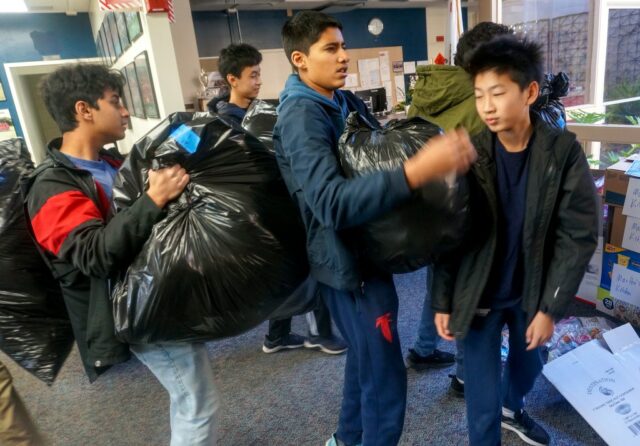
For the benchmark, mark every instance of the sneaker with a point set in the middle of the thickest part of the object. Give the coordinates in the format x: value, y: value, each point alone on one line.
x: 333, y: 441
x: 528, y: 430
x: 435, y: 360
x: 331, y: 346
x: 457, y: 386
x: 290, y: 341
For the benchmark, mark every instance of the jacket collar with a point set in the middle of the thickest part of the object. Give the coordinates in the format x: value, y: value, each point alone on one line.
x: 113, y: 157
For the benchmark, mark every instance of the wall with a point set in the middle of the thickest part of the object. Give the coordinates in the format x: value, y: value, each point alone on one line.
x: 157, y: 41
x: 402, y: 27
x: 184, y: 43
x: 30, y: 37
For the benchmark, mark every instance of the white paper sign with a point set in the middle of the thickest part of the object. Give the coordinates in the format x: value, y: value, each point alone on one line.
x: 369, y: 70
x: 632, y: 199
x: 385, y: 68
x: 631, y: 238
x: 400, y: 92
x: 351, y: 81
x: 625, y: 284
x: 409, y: 67
x: 422, y: 62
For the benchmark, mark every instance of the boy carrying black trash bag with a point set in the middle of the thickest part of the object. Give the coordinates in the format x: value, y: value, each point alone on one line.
x: 68, y: 202
x: 362, y: 301
x: 539, y: 220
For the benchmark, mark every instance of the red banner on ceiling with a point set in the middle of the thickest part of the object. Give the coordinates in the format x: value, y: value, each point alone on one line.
x: 119, y: 5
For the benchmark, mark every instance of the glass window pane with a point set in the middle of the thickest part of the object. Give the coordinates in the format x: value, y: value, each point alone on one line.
x: 562, y: 28
x: 622, y: 72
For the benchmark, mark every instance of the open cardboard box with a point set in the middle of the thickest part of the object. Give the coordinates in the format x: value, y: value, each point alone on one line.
x: 603, y: 384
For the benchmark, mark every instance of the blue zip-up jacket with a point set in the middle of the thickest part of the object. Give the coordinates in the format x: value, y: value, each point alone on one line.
x: 306, y: 138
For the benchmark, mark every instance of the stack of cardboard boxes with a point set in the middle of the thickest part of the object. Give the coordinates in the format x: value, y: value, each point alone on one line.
x: 619, y: 290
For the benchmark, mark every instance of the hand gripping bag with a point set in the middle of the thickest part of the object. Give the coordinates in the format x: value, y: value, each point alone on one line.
x: 231, y: 248
x: 34, y: 326
x: 432, y: 222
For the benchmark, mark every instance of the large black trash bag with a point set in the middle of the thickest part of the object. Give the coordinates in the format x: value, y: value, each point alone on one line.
x: 34, y: 326
x: 431, y: 223
x: 548, y: 105
x: 260, y: 120
x: 231, y: 248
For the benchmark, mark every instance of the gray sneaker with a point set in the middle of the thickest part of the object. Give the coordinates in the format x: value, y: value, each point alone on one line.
x: 288, y: 342
x: 332, y: 346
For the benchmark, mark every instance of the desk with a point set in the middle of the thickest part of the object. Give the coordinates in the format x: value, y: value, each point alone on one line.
x: 384, y: 119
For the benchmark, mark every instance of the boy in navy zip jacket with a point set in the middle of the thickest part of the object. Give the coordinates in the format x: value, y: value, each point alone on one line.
x: 539, y: 215
x: 363, y: 302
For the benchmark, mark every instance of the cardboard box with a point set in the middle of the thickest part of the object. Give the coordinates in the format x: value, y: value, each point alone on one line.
x: 616, y: 182
x: 618, y: 308
x: 602, y: 384
x: 617, y: 221
x: 612, y: 255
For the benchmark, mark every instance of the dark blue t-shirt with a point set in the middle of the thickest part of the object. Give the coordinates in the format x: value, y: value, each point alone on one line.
x: 504, y: 288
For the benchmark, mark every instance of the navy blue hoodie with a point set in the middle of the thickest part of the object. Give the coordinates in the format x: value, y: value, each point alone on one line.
x: 306, y: 138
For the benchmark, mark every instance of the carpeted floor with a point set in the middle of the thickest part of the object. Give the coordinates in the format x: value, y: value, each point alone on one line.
x: 288, y: 398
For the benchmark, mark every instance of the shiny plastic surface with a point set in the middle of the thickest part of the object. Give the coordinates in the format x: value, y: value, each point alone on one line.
x: 260, y: 120
x: 232, y: 247
x: 548, y: 105
x: 34, y: 326
x: 432, y: 222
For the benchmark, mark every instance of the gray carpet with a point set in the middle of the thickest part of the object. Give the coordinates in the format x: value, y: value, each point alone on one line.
x: 288, y: 398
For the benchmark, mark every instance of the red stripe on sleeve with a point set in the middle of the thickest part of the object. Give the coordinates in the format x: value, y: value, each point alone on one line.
x: 60, y: 215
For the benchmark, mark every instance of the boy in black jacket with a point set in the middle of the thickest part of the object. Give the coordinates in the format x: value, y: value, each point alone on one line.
x: 540, y: 220
x: 362, y: 301
x: 69, y: 207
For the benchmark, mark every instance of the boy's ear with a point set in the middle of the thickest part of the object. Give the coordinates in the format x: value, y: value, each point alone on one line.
x: 231, y: 80
x: 84, y: 111
x: 533, y: 90
x: 299, y: 60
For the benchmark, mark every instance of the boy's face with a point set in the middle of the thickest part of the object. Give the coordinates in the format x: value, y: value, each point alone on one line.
x: 500, y: 102
x: 248, y: 84
x: 325, y: 67
x: 111, y: 117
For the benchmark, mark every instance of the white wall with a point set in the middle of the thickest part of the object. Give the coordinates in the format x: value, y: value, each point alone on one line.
x: 156, y: 39
x: 437, y: 19
x: 184, y: 43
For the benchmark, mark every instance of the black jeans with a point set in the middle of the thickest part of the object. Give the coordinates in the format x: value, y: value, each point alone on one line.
x: 281, y: 328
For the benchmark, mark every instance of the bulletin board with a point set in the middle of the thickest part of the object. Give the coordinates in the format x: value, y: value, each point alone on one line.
x: 395, y: 55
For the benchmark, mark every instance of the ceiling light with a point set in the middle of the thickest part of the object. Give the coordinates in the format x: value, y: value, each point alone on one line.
x: 13, y: 6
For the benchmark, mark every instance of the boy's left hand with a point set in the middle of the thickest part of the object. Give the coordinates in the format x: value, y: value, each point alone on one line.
x: 540, y: 330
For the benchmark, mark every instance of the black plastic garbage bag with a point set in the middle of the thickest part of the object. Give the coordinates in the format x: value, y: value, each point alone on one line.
x: 34, y: 326
x: 260, y: 120
x: 231, y: 249
x: 548, y: 105
x: 432, y: 222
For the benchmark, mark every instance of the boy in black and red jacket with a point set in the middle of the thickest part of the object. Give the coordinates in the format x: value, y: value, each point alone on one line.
x: 68, y: 202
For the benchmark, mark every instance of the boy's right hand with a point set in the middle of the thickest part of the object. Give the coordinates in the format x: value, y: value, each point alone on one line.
x: 166, y: 184
x: 442, y: 325
x: 442, y: 155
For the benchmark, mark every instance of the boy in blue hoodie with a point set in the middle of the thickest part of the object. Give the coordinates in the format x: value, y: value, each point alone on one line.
x: 362, y: 301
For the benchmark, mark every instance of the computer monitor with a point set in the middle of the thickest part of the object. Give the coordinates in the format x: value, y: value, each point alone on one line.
x: 375, y: 98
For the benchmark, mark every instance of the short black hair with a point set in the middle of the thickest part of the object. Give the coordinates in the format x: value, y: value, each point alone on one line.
x: 78, y: 82
x: 481, y: 33
x: 236, y: 57
x: 521, y: 59
x: 304, y: 29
